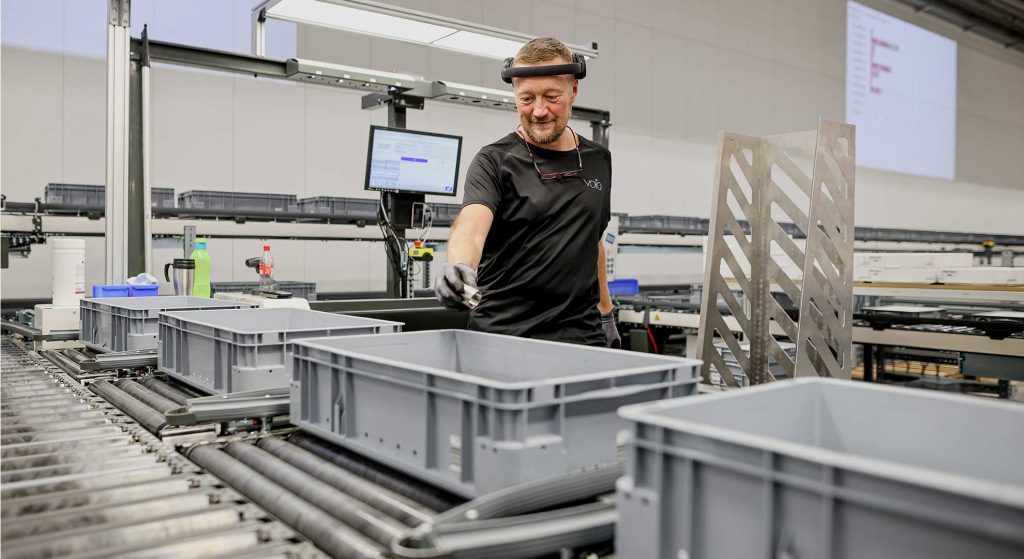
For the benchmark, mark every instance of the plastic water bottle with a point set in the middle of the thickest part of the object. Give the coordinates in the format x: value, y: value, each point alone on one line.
x: 201, y: 287
x: 266, y: 271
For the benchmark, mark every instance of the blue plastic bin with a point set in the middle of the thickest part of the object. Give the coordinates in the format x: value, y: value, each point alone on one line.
x: 624, y: 287
x: 143, y: 290
x: 110, y: 291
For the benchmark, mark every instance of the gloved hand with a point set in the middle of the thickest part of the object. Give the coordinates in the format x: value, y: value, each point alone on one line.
x: 611, y: 333
x: 451, y: 280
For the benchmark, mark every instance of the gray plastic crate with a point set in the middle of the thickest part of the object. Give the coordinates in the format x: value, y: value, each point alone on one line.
x: 240, y: 350
x: 445, y: 214
x: 302, y: 289
x: 84, y: 195
x: 94, y: 195
x: 823, y: 468
x: 662, y: 224
x: 353, y: 209
x: 130, y: 323
x: 475, y: 412
x: 161, y: 197
x: 238, y: 201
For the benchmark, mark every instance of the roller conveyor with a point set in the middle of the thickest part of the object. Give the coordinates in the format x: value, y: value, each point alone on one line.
x: 80, y: 479
x: 88, y: 470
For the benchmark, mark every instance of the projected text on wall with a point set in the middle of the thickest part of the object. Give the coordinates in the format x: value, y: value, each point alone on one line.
x: 901, y: 94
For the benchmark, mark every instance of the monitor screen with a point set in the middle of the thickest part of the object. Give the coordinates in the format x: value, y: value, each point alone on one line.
x: 415, y: 162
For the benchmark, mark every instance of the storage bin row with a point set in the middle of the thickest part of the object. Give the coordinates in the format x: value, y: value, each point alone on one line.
x: 238, y: 201
x: 354, y: 210
x: 365, y: 210
x: 301, y: 289
x: 93, y: 196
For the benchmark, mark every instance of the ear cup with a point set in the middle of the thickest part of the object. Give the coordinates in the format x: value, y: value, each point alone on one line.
x: 579, y: 59
x: 505, y: 67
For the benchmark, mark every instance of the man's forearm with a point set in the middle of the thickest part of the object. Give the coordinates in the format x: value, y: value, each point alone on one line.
x: 463, y: 247
x: 605, y: 303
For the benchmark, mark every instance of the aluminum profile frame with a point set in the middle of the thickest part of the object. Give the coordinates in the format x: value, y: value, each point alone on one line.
x: 760, y: 180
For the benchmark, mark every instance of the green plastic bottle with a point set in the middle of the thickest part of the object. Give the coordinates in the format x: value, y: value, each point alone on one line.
x: 201, y: 287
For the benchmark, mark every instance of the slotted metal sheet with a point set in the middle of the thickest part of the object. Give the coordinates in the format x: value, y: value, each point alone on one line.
x: 760, y: 183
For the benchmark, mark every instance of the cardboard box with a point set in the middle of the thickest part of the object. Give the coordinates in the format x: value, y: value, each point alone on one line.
x: 982, y: 275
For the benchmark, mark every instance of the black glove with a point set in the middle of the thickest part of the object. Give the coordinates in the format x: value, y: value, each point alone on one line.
x: 611, y: 333
x: 451, y: 280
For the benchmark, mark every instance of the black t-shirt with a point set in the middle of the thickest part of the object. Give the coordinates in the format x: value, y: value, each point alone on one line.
x: 538, y: 273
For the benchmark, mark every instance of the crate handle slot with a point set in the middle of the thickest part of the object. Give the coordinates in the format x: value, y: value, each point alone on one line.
x: 619, y: 391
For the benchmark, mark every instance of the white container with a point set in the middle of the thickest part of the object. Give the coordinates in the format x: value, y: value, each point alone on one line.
x: 982, y: 275
x: 912, y: 259
x: 68, y: 271
x: 896, y: 275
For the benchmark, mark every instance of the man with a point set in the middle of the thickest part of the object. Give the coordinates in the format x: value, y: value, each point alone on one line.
x: 536, y: 205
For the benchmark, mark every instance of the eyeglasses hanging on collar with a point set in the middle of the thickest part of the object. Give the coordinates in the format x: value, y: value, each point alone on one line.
x: 561, y: 174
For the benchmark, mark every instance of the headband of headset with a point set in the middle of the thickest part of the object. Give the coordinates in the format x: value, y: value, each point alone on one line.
x: 578, y: 68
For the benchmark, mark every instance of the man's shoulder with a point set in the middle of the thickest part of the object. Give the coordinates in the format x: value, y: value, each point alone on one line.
x: 499, y: 146
x: 495, y: 152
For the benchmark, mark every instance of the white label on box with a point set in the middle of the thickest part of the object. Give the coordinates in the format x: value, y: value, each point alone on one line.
x: 80, y: 278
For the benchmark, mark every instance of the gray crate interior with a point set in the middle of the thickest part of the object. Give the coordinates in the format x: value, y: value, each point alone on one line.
x: 240, y: 350
x: 475, y: 412
x: 225, y: 200
x: 94, y: 195
x: 130, y: 323
x: 823, y: 468
x: 302, y: 289
x: 347, y: 208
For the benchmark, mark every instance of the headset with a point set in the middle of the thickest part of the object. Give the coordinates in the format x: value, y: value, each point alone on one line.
x: 578, y: 68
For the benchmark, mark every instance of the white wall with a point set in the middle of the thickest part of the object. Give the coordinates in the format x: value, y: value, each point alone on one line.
x: 673, y: 74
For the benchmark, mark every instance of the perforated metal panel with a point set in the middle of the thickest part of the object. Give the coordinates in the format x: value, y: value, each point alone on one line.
x: 806, y: 178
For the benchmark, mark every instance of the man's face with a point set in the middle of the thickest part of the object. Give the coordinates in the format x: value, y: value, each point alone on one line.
x: 545, y: 104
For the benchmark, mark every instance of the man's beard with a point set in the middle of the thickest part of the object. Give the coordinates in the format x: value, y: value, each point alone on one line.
x: 541, y: 137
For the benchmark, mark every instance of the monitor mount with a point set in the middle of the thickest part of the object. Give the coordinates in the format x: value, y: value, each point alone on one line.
x: 400, y: 208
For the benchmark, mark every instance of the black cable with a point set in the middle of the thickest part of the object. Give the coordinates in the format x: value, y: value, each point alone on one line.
x: 393, y: 246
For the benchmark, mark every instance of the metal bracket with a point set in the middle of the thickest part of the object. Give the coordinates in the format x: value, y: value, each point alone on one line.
x: 379, y: 100
x: 119, y: 13
x: 599, y: 131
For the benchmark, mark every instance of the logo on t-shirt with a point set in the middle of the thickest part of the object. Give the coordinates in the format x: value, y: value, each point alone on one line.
x: 595, y: 184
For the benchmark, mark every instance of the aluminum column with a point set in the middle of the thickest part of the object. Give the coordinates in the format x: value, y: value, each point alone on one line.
x: 259, y: 32
x: 144, y: 141
x: 118, y: 109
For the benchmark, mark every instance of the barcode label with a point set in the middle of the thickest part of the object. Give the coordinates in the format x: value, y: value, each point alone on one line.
x: 455, y: 442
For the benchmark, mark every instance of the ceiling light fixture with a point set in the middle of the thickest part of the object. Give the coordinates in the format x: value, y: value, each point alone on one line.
x: 392, y: 22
